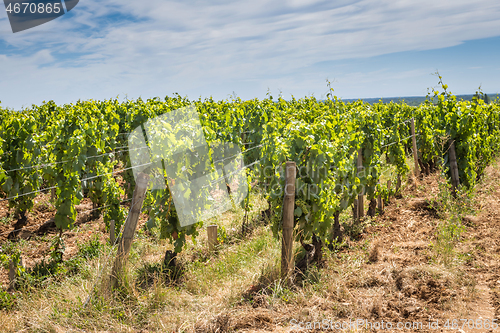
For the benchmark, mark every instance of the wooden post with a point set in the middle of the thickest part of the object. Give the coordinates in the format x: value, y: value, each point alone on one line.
x: 389, y: 183
x: 212, y: 237
x: 125, y: 242
x: 414, y: 141
x: 13, y: 272
x: 53, y: 194
x: 398, y: 184
x: 112, y: 235
x: 455, y: 180
x: 380, y: 204
x: 361, y: 207
x: 12, y: 275
x: 288, y: 208
x: 372, y: 208
x: 355, y: 210
x: 337, y: 232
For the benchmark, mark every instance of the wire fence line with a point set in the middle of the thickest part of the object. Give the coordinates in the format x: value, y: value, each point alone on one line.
x: 215, y: 181
x: 29, y: 193
x: 403, y: 122
x: 38, y: 166
x: 239, y: 154
x: 119, y: 171
x: 81, y: 180
x: 115, y: 172
x: 138, y: 166
x: 393, y: 143
x: 397, y: 124
x: 102, y: 207
x: 44, y: 165
x: 89, y: 178
x: 78, y: 214
x: 116, y: 152
x: 130, y: 168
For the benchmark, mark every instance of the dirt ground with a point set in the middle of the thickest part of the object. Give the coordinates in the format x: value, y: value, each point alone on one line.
x: 389, y: 274
x: 40, y: 229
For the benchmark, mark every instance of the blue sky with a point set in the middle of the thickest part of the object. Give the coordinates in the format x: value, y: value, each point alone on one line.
x: 377, y: 48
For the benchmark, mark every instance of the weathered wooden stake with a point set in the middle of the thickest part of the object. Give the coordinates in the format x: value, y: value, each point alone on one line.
x: 13, y: 272
x: 125, y: 242
x: 12, y: 275
x: 415, y: 153
x: 288, y: 208
x: 337, y: 232
x: 112, y: 235
x: 212, y: 237
x: 372, y: 208
x: 361, y: 207
x: 398, y: 184
x: 53, y: 194
x: 380, y: 204
x: 455, y: 180
x: 389, y: 183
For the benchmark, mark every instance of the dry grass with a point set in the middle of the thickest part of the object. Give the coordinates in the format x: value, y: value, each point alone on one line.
x: 208, y: 285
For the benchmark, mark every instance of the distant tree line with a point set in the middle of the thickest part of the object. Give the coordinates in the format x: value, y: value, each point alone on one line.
x: 482, y: 96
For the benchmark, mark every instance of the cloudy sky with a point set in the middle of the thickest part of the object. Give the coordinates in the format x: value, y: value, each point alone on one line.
x: 128, y: 49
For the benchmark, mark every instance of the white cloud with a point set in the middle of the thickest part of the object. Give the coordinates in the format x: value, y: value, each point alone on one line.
x: 208, y: 48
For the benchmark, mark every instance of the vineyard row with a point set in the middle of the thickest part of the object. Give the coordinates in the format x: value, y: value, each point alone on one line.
x: 63, y: 147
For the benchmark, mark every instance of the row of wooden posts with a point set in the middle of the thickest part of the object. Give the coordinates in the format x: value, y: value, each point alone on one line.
x: 125, y: 242
x: 288, y: 209
x: 358, y: 212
